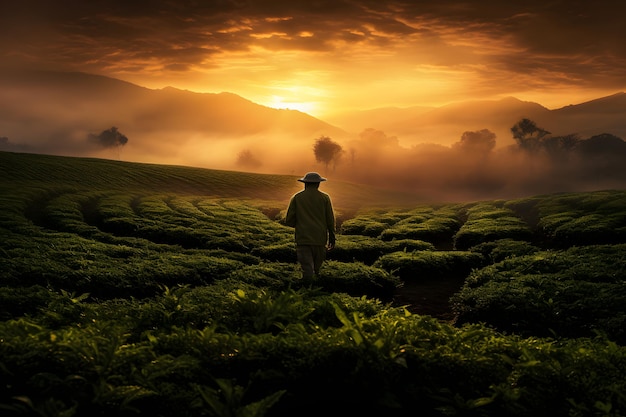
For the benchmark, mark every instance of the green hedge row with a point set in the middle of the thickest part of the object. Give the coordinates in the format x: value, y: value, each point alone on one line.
x: 237, y: 349
x: 572, y: 293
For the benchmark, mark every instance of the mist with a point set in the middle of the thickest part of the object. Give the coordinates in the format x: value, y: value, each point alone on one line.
x: 475, y: 168
x: 91, y: 116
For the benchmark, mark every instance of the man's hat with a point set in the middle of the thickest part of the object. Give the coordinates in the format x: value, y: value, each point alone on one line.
x: 312, y: 177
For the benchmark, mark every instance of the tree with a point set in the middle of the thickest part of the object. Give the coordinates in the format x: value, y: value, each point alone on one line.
x: 604, y: 144
x: 327, y: 151
x: 480, y: 142
x: 560, y: 146
x: 109, y: 138
x: 247, y: 159
x: 528, y: 135
x: 378, y: 139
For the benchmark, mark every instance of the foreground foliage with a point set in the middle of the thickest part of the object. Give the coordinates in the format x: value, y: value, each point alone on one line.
x: 130, y: 289
x: 225, y: 350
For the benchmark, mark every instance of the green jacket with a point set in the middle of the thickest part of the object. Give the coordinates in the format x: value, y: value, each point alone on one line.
x: 310, y: 211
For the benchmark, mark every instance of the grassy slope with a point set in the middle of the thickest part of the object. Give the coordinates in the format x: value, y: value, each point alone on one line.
x: 34, y: 169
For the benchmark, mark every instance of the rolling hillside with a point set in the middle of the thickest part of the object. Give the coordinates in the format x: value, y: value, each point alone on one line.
x: 59, y: 171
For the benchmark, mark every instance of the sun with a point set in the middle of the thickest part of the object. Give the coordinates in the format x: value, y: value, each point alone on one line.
x: 280, y: 102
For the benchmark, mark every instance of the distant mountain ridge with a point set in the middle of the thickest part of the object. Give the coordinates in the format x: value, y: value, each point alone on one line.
x: 615, y: 102
x: 446, y: 124
x: 53, y: 112
x: 175, y: 108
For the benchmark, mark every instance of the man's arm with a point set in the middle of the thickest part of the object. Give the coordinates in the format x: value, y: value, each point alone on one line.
x: 290, y: 217
x: 331, y: 239
x: 330, y: 221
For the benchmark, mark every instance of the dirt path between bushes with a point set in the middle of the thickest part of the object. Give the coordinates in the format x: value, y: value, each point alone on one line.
x: 429, y: 298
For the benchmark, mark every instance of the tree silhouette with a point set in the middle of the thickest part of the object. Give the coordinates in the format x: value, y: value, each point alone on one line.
x: 479, y: 142
x: 247, y: 159
x: 560, y: 146
x: 110, y: 138
x: 604, y: 144
x: 327, y: 151
x: 528, y: 135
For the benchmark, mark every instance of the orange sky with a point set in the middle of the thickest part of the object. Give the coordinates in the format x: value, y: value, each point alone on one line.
x: 323, y: 57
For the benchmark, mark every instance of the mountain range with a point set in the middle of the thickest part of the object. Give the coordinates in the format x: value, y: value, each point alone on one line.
x: 446, y: 124
x: 56, y: 113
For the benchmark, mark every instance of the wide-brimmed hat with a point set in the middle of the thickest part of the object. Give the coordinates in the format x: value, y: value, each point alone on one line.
x: 312, y: 177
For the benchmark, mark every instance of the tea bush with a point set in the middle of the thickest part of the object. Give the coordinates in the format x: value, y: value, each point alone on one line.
x: 363, y: 226
x: 487, y: 222
x: 357, y: 279
x: 568, y: 219
x: 357, y: 248
x: 371, y: 222
x: 573, y: 293
x: 435, y: 226
x: 498, y: 250
x: 279, y: 252
x: 430, y: 265
x: 408, y: 245
x: 349, y: 248
x: 570, y: 228
x: 23, y: 301
x: 271, y: 275
x: 367, y: 250
x: 386, y: 363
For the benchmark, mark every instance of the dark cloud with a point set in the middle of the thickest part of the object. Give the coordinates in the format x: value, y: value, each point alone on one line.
x: 525, y: 45
x: 554, y: 27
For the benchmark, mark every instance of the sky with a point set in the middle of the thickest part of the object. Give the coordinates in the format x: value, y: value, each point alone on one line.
x: 328, y: 57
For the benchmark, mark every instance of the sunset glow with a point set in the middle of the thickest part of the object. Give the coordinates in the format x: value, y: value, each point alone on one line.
x: 278, y: 102
x: 333, y: 56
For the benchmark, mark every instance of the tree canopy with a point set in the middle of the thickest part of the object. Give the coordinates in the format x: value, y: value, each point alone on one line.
x: 327, y: 151
x: 110, y: 138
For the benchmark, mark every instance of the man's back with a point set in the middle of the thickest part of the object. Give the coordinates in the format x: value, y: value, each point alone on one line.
x: 310, y: 212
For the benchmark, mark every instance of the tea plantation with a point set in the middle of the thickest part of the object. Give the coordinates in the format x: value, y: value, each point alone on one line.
x: 137, y: 289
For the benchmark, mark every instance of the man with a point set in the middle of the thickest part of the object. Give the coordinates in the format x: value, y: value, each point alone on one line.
x: 310, y: 212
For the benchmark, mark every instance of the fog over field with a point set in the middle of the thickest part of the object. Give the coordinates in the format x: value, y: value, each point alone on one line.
x: 455, y: 152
